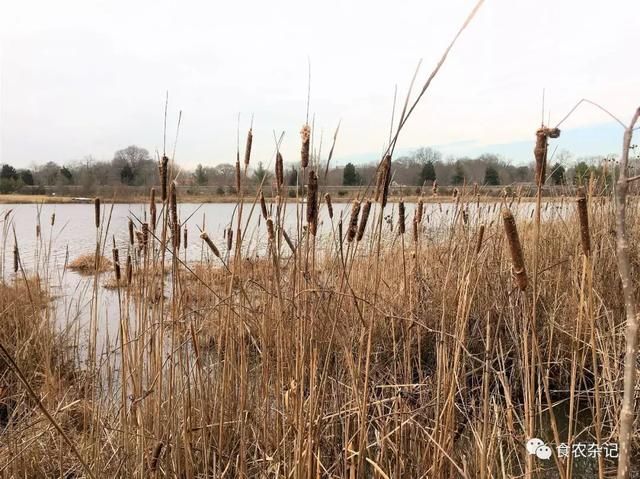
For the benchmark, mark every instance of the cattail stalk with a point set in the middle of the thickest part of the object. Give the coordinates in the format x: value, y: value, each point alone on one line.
x: 279, y: 171
x: 583, y: 216
x: 96, y: 209
x: 517, y: 258
x: 164, y: 175
x: 152, y: 209
x: 401, y: 215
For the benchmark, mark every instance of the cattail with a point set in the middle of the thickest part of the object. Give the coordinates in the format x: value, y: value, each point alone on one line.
x: 288, y: 240
x: 327, y: 200
x: 517, y: 258
x: 185, y: 238
x: 164, y: 174
x: 131, y: 236
x: 129, y: 269
x: 583, y: 216
x: 305, y: 134
x: 383, y: 181
x: 16, y: 258
x: 157, y: 450
x: 312, y: 202
x: 480, y: 237
x: 229, y: 238
x: 238, y: 175
x: 401, y: 225
x: 96, y: 209
x: 340, y: 230
x: 419, y: 211
x: 270, y: 231
x: 363, y: 220
x: 173, y: 209
x: 415, y: 230
x: 434, y: 188
x: 263, y: 206
x: 540, y: 153
x: 210, y: 244
x: 455, y: 193
x: 53, y: 219
x: 353, y: 222
x: 247, y: 150
x: 145, y: 234
x: 279, y: 171
x: 465, y: 216
x: 116, y: 263
x: 152, y: 209
x: 38, y: 230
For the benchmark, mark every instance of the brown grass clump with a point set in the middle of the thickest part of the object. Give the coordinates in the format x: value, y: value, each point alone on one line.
x: 86, y: 264
x: 517, y: 258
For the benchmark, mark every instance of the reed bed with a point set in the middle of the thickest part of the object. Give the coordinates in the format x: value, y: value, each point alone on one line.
x: 355, y: 353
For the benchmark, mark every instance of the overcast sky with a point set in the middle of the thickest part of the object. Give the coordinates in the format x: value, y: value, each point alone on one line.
x: 82, y: 77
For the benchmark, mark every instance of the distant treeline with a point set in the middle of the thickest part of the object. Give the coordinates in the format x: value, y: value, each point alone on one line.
x: 133, y: 166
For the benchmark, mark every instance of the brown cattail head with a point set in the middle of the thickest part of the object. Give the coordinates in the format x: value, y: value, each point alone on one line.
x: 305, y: 134
x: 38, y: 230
x: 131, y: 235
x: 164, y: 175
x: 366, y: 209
x: 401, y: 224
x: 383, y: 181
x: 16, y: 258
x: 312, y: 203
x: 185, y: 237
x: 419, y: 211
x: 238, y: 175
x: 279, y: 171
x: 152, y: 209
x: 415, y: 230
x: 465, y: 216
x: 129, y: 269
x: 229, y: 238
x: 210, y: 244
x: 583, y: 216
x: 517, y: 258
x: 270, y: 230
x: 327, y: 200
x: 53, y: 219
x: 263, y: 205
x: 247, y: 150
x: 480, y: 238
x: 116, y: 264
x: 353, y: 222
x: 155, y: 457
x: 96, y: 209
x: 540, y: 153
x: 145, y: 234
x: 455, y: 193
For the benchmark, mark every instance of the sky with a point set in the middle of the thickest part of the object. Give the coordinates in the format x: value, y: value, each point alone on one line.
x: 82, y: 77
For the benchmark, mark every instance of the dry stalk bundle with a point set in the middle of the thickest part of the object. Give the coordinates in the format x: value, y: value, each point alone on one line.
x: 247, y: 150
x: 353, y: 222
x: 279, y: 171
x: 152, y: 209
x: 210, y: 244
x: 305, y: 134
x: 96, y: 209
x: 363, y: 220
x: 312, y: 203
x: 263, y: 206
x: 517, y: 257
x: 401, y: 214
x: 583, y: 216
x: 327, y: 200
x: 164, y: 175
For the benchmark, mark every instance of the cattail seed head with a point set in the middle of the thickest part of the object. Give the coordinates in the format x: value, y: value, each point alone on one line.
x: 540, y: 153
x: 129, y: 269
x: 131, y: 235
x: 155, y: 457
x: 270, y: 230
x: 415, y: 230
x: 152, y: 209
x: 419, y: 211
x: 583, y: 216
x: 480, y: 238
x: 279, y: 171
x: 210, y: 244
x: 384, y: 179
x: 353, y: 222
x: 263, y: 205
x: 327, y: 200
x: 247, y: 150
x: 38, y: 230
x: 305, y: 135
x: 517, y: 258
x: 96, y: 209
x: 53, y: 219
x: 238, y: 176
x: 145, y: 234
x: 401, y: 218
x: 229, y: 238
x: 312, y: 203
x: 116, y: 264
x: 185, y: 237
x: 363, y: 220
x: 16, y: 258
x: 164, y: 175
